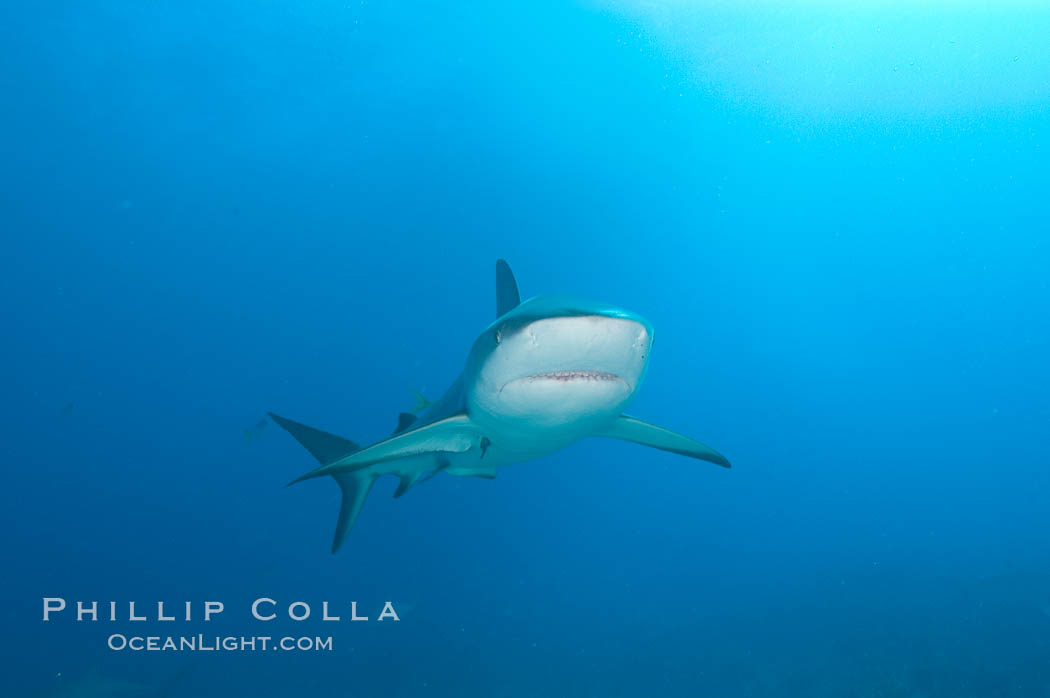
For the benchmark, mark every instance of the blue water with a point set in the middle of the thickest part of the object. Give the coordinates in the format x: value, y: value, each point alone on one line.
x: 836, y: 220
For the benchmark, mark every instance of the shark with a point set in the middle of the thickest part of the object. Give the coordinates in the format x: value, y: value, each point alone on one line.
x: 548, y: 372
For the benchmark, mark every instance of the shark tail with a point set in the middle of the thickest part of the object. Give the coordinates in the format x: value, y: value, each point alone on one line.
x: 355, y: 488
x: 328, y: 448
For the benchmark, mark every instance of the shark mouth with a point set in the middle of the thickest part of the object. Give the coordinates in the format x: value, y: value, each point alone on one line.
x: 574, y: 376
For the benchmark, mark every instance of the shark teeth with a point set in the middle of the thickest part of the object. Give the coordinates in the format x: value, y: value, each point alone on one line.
x: 567, y: 376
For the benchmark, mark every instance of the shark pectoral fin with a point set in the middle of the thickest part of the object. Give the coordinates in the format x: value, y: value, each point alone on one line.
x: 454, y: 434
x: 631, y: 429
x: 507, y: 297
x: 355, y: 488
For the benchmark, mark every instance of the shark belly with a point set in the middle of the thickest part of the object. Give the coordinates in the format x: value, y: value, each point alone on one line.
x: 520, y: 438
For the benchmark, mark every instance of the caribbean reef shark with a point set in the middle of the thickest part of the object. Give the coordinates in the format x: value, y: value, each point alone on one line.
x: 548, y: 372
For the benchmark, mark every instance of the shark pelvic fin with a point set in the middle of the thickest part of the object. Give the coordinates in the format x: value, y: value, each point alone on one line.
x: 454, y: 434
x: 407, y: 481
x: 355, y: 488
x: 631, y: 429
x: 507, y: 297
x: 442, y: 465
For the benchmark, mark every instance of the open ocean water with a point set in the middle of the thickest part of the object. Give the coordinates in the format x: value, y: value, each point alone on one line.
x: 835, y: 215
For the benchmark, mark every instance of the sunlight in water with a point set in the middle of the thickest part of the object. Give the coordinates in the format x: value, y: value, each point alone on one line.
x: 834, y: 59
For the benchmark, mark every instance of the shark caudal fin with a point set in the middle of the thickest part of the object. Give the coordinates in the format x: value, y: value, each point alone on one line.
x: 507, y: 297
x: 355, y: 488
x: 328, y: 448
x: 325, y: 447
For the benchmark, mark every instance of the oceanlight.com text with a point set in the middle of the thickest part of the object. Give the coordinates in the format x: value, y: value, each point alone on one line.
x: 216, y: 643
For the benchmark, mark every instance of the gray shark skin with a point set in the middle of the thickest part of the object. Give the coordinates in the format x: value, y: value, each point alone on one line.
x: 548, y: 372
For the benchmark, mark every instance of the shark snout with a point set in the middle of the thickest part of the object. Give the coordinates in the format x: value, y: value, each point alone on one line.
x: 559, y: 370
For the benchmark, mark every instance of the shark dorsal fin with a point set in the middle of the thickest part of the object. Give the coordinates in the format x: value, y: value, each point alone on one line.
x: 507, y: 298
x: 326, y: 448
x: 404, y: 421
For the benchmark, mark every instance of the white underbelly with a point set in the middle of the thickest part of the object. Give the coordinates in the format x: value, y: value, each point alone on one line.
x: 513, y: 441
